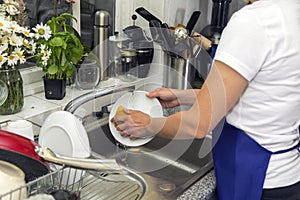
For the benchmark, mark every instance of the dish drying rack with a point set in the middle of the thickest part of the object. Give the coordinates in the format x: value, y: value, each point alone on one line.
x: 81, y: 185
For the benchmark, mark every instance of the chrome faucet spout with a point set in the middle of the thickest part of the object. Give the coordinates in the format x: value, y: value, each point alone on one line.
x: 73, y: 105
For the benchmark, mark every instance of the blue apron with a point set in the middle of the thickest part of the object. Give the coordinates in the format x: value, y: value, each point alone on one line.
x: 240, y: 164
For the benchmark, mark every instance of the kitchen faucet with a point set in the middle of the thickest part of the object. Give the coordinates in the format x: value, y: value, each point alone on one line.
x: 73, y: 105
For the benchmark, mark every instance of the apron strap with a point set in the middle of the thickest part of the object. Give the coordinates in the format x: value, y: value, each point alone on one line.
x: 287, y: 150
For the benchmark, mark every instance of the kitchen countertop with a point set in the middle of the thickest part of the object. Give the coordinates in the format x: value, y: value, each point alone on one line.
x: 37, y: 108
x: 203, y: 189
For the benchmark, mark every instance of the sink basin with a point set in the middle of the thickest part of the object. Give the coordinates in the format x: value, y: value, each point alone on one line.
x: 167, y: 167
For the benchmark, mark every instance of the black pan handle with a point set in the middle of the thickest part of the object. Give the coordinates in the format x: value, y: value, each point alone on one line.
x: 192, y: 22
x: 147, y: 15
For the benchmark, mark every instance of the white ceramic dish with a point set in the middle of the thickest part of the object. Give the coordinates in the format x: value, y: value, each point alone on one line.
x: 136, y: 100
x: 65, y: 135
x: 21, y: 127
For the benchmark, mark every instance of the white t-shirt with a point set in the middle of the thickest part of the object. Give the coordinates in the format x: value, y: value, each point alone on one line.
x: 262, y: 43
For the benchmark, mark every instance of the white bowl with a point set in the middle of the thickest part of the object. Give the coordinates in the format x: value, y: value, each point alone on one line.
x: 21, y: 127
x: 11, y: 177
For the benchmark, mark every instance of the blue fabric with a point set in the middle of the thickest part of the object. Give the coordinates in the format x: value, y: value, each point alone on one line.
x: 240, y: 165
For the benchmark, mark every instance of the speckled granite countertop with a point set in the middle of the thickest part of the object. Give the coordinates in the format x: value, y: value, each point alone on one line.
x: 204, y: 189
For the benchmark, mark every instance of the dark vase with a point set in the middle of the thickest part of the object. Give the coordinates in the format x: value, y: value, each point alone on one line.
x: 14, y: 87
x: 54, y: 88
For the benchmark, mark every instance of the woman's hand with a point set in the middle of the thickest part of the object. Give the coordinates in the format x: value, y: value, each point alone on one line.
x: 166, y: 97
x: 133, y: 124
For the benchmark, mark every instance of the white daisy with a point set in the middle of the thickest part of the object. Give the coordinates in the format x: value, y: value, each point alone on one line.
x: 15, y: 40
x: 42, y: 47
x: 12, y: 60
x: 4, y: 24
x: 11, y: 7
x: 4, y: 40
x: 2, y: 21
x: 25, y: 43
x: 42, y: 31
x: 20, y: 55
x: 3, y: 48
x: 15, y: 27
x: 46, y: 54
x: 3, y: 58
x: 31, y: 47
x: 27, y: 32
x: 44, y: 63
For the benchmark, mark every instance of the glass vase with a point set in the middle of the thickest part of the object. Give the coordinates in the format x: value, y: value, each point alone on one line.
x: 15, y: 98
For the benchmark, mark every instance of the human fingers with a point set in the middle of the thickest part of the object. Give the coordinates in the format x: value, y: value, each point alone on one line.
x: 155, y: 93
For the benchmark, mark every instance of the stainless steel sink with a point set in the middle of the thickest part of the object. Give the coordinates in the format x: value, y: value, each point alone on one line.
x: 164, y: 168
x: 167, y: 167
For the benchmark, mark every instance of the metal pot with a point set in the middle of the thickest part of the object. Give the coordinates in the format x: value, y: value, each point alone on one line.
x: 180, y: 73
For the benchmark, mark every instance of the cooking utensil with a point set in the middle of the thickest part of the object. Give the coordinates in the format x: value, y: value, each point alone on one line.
x: 206, y: 43
x: 192, y: 22
x: 180, y: 49
x: 167, y: 36
x: 180, y: 33
x: 147, y: 15
x: 161, y: 35
x: 155, y: 27
x: 32, y: 159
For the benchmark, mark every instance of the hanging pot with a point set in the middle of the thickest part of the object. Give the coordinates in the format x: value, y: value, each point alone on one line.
x: 54, y: 88
x: 35, y: 161
x: 14, y: 87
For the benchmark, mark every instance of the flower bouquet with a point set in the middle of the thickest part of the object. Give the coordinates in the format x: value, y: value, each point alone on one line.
x: 17, y: 44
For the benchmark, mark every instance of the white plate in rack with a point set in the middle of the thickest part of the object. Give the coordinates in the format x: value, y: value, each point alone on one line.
x: 64, y: 133
x: 136, y: 100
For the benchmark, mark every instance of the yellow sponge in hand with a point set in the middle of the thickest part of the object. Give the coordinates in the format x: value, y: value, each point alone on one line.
x: 120, y: 112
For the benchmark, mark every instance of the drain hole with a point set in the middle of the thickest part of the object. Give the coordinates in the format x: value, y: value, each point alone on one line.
x: 168, y: 187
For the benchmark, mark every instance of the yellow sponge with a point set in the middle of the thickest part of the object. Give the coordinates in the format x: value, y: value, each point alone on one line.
x: 120, y: 111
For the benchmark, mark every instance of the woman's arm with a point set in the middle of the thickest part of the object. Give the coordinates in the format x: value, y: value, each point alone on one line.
x: 173, y: 97
x: 218, y: 95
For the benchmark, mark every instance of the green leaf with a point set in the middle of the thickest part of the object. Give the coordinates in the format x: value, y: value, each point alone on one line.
x: 56, y: 42
x: 53, y: 69
x: 63, y: 59
x: 68, y: 15
x: 76, y: 54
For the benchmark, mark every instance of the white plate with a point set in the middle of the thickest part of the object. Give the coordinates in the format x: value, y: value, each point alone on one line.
x: 63, y: 133
x: 136, y: 100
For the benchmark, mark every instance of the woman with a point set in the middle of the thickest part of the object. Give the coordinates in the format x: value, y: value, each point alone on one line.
x: 255, y: 83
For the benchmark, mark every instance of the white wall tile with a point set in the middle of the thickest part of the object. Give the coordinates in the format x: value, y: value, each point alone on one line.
x: 124, y: 10
x: 179, y: 12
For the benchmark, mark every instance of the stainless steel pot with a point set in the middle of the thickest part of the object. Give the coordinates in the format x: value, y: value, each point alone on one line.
x: 180, y: 73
